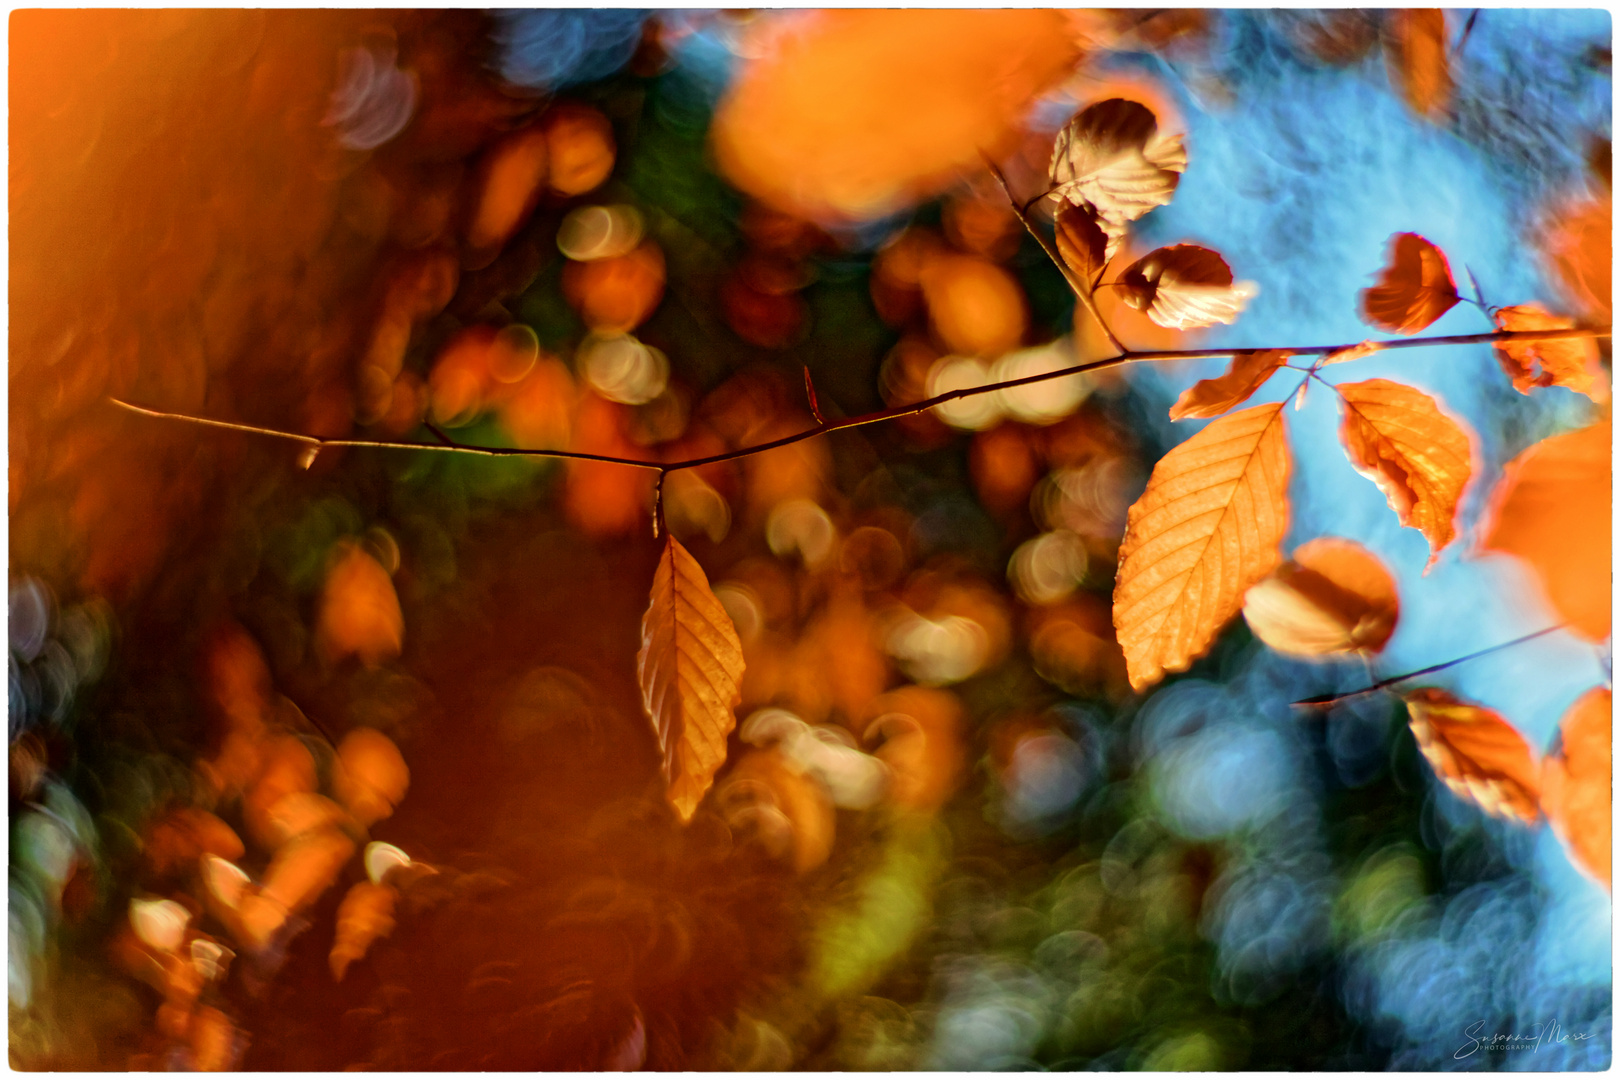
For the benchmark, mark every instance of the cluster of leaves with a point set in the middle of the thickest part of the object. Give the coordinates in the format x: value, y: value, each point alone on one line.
x: 1204, y: 540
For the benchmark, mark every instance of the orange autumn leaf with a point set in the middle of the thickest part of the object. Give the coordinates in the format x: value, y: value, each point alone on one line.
x: 1333, y: 596
x: 1418, y: 63
x: 1207, y: 528
x: 1353, y: 352
x: 511, y: 179
x: 579, y: 142
x: 1399, y: 438
x: 1577, y: 782
x: 1580, y: 246
x: 1085, y: 241
x: 1184, y: 287
x: 1571, y: 362
x: 1112, y: 156
x: 1209, y: 398
x: 853, y: 114
x: 1478, y: 755
x: 365, y: 915
x: 1551, y: 509
x: 690, y: 669
x: 1414, y: 289
x: 360, y: 614
x: 791, y: 810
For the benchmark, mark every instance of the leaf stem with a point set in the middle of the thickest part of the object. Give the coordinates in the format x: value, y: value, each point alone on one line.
x: 318, y: 442
x: 1080, y: 289
x: 1333, y: 699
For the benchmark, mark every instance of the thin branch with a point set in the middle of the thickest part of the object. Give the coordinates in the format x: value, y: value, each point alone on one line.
x: 1333, y: 699
x: 1080, y: 290
x: 316, y: 442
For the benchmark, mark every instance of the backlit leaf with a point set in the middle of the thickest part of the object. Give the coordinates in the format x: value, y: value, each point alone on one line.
x: 1399, y: 438
x: 1333, y: 596
x: 1206, y: 529
x: 360, y: 612
x: 1085, y: 240
x: 1112, y: 156
x: 690, y: 669
x: 1571, y: 362
x: 1354, y: 352
x: 1551, y: 509
x: 366, y: 914
x: 1577, y: 782
x: 1210, y: 397
x: 1478, y: 755
x: 1417, y: 59
x: 1185, y: 286
x: 1414, y: 288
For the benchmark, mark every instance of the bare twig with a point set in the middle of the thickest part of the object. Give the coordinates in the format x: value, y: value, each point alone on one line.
x: 316, y: 442
x: 1333, y: 699
x: 810, y: 392
x: 1081, y: 290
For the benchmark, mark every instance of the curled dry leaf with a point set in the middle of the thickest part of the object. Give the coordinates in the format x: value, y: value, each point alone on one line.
x: 360, y: 612
x: 1414, y: 288
x: 1210, y: 397
x: 1354, y: 352
x: 1399, y: 438
x: 1185, y: 286
x: 1333, y: 596
x: 1112, y: 156
x: 690, y: 668
x: 1207, y: 528
x: 1086, y: 240
x: 1478, y: 755
x: 1417, y: 59
x: 1551, y: 509
x: 1577, y: 782
x: 1571, y: 362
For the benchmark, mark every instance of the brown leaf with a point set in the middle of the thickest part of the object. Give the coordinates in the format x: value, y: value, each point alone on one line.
x: 360, y: 612
x: 1417, y: 59
x: 1210, y: 397
x: 1478, y: 755
x: 1085, y: 240
x: 1413, y: 290
x: 1399, y: 438
x: 1577, y: 782
x: 1334, y: 596
x: 690, y: 669
x: 1571, y: 362
x: 1206, y: 529
x: 1185, y: 286
x: 1551, y: 509
x: 1112, y: 156
x: 1354, y: 352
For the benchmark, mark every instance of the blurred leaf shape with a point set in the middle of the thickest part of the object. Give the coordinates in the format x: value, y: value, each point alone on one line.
x: 1478, y: 755
x: 370, y: 775
x: 788, y: 807
x: 1184, y: 287
x: 1112, y: 156
x: 160, y: 923
x: 1419, y: 456
x: 365, y: 916
x: 690, y: 669
x: 1418, y: 64
x: 1413, y: 290
x: 373, y: 100
x: 511, y: 177
x: 359, y: 611
x: 615, y: 295
x: 1571, y: 362
x: 1580, y: 245
x: 853, y: 114
x: 178, y: 839
x: 1085, y: 240
x: 1577, y: 781
x: 920, y: 734
x: 1552, y: 509
x: 1209, y: 398
x: 579, y: 144
x: 1333, y: 596
x: 1353, y: 352
x: 977, y: 307
x: 1209, y: 526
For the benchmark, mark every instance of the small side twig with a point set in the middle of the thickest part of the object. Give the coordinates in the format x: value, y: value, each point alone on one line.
x: 1327, y: 700
x: 810, y: 392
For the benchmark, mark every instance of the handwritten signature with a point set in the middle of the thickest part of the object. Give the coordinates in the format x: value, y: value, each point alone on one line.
x: 1539, y: 1036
